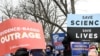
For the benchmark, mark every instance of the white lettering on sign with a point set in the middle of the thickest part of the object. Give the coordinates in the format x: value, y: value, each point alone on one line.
x: 18, y: 35
x: 87, y: 35
x: 14, y: 29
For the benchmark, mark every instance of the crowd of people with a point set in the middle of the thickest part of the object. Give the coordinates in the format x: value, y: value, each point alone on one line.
x: 49, y: 51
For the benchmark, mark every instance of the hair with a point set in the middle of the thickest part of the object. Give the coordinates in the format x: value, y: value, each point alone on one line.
x: 22, y: 52
x: 51, y: 47
x: 37, y: 52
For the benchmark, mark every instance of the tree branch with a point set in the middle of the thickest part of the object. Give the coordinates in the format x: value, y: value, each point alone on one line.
x: 60, y: 7
x: 72, y: 6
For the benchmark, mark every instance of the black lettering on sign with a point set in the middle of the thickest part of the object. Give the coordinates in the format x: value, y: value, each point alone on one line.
x: 87, y: 17
x: 85, y: 22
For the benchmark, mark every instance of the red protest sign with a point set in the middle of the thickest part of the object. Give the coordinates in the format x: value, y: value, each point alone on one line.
x: 16, y: 33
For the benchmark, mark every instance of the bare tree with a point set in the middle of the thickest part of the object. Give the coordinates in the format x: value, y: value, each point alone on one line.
x: 72, y: 6
x: 7, y: 9
x: 42, y: 11
x: 63, y: 6
x: 45, y: 12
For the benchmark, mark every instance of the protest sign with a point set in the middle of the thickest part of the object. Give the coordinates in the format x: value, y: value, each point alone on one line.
x: 17, y: 33
x: 84, y: 27
x: 57, y: 40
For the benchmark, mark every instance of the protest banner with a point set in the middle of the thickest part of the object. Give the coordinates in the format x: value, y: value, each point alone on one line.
x: 17, y: 33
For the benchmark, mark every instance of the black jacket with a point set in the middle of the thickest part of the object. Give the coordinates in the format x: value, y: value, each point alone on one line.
x: 66, y: 43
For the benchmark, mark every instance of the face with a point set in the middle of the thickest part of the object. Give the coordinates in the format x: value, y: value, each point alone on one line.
x: 92, y: 52
x: 48, y: 48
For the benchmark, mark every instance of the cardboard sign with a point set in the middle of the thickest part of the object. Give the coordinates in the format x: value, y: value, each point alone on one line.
x: 16, y: 33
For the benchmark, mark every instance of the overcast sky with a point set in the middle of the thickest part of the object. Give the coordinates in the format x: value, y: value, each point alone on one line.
x: 87, y: 6
x: 82, y: 6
